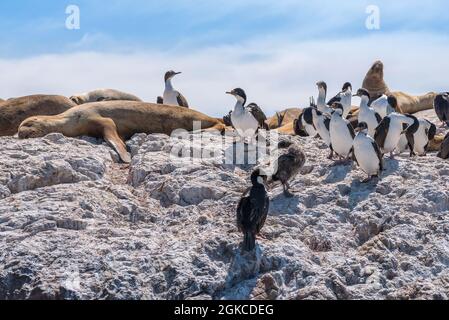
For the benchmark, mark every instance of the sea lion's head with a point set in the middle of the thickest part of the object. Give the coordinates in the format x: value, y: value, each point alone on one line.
x: 36, y: 127
x: 376, y: 72
x: 378, y: 67
x: 79, y: 99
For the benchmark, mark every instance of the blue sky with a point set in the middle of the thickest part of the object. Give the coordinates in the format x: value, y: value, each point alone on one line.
x: 276, y: 49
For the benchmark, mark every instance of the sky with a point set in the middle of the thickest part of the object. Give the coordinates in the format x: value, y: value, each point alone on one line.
x: 275, y: 50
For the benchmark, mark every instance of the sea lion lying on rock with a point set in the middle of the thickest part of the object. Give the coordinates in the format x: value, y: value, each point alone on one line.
x: 116, y: 121
x: 376, y: 86
x: 103, y: 95
x: 283, y: 117
x: 14, y: 111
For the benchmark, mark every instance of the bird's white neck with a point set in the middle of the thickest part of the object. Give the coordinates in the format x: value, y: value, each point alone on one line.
x: 364, y: 102
x: 321, y: 98
x: 239, y: 107
x: 168, y: 85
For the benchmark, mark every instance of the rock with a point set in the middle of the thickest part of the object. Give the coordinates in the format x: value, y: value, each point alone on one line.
x: 76, y: 225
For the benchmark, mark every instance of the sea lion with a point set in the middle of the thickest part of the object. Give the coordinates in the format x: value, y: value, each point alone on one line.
x: 116, y: 121
x: 374, y: 81
x: 376, y: 86
x: 103, y: 95
x: 283, y: 117
x: 14, y: 111
x: 413, y: 104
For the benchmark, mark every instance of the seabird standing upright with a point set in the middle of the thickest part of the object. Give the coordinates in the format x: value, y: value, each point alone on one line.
x: 341, y: 133
x: 367, y: 114
x: 305, y: 121
x: 321, y: 101
x: 345, y: 98
x: 321, y: 122
x: 367, y: 153
x: 389, y: 131
x: 421, y: 138
x: 252, y: 211
x: 385, y: 105
x: 288, y: 166
x: 171, y: 96
x: 246, y: 120
x: 441, y: 105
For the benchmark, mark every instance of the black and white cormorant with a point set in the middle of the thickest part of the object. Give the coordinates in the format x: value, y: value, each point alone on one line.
x: 171, y: 96
x: 252, y: 210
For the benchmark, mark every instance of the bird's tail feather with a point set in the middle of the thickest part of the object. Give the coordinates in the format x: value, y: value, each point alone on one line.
x: 249, y: 241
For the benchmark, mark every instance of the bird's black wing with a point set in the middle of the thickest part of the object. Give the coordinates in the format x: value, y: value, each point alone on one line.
x: 242, y: 207
x: 327, y: 123
x: 379, y: 154
x: 337, y: 98
x: 378, y: 118
x: 432, y: 131
x: 182, y: 101
x: 415, y: 126
x: 227, y: 120
x: 351, y: 130
x: 381, y: 132
x: 264, y: 214
x: 258, y: 114
x: 441, y: 108
x: 444, y: 150
x: 308, y: 116
x: 160, y: 100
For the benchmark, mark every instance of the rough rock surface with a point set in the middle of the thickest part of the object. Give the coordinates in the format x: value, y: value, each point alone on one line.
x: 76, y: 225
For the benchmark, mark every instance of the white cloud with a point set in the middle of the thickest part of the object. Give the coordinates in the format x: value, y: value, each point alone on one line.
x: 275, y: 72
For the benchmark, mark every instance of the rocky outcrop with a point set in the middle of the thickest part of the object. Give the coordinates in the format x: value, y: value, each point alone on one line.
x: 74, y: 224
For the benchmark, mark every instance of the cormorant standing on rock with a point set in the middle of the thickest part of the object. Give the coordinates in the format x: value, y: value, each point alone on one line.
x: 288, y: 166
x: 252, y: 211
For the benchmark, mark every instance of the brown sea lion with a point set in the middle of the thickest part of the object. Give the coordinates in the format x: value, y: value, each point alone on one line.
x: 375, y: 84
x: 14, y: 111
x: 284, y: 117
x: 413, y: 104
x: 116, y: 121
x: 374, y: 81
x: 103, y: 95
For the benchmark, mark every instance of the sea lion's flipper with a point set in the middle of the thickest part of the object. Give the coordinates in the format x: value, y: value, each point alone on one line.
x: 111, y: 136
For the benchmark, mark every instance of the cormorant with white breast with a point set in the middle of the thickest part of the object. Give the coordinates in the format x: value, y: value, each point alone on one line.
x: 367, y: 153
x: 341, y: 133
x: 321, y: 122
x: 441, y: 105
x: 421, y: 138
x: 305, y: 121
x: 252, y: 210
x: 288, y: 166
x: 171, y: 96
x: 321, y: 102
x: 345, y: 98
x: 367, y: 114
x: 246, y: 120
x: 385, y: 105
x: 389, y: 131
